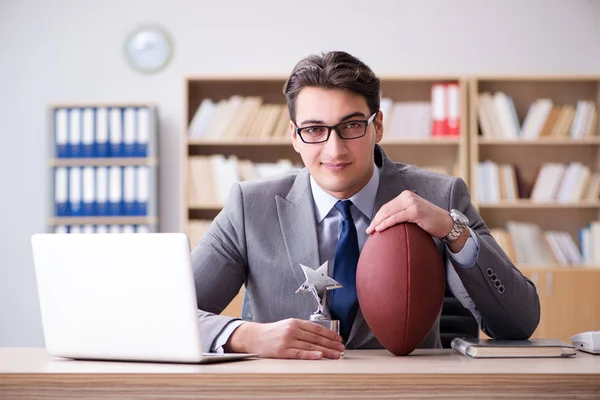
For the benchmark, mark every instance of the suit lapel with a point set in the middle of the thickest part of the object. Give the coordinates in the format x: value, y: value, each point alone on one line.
x: 298, y: 227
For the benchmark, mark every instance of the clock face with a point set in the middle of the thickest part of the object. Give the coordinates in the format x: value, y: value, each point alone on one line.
x: 148, y: 49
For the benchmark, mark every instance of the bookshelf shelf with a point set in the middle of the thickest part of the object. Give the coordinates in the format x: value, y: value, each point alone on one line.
x: 242, y: 142
x: 575, y: 268
x: 538, y: 142
x: 423, y: 142
x: 206, y: 206
x: 102, y: 162
x: 528, y: 204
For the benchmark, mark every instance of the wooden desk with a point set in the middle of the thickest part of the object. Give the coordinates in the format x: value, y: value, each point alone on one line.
x: 32, y: 373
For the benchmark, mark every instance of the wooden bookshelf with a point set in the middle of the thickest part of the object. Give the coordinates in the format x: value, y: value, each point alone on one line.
x: 449, y: 153
x: 569, y: 295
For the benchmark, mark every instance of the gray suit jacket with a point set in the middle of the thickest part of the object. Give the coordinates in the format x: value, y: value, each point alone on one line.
x: 267, y: 228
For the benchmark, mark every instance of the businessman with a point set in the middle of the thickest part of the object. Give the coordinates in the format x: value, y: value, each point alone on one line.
x: 348, y: 189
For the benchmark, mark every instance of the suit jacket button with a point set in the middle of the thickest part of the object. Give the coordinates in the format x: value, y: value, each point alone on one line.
x: 501, y: 289
x: 489, y: 272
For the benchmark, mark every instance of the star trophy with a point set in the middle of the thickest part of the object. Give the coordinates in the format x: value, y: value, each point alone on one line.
x: 318, y: 283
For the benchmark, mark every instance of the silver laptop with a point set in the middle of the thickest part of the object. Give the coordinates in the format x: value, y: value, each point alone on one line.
x: 119, y: 297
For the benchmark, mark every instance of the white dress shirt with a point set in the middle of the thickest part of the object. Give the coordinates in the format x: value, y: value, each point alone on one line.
x: 329, y: 226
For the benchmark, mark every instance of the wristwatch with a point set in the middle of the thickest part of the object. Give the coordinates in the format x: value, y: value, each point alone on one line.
x: 461, y: 222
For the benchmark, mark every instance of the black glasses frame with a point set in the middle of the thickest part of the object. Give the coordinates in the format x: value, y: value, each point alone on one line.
x: 336, y: 128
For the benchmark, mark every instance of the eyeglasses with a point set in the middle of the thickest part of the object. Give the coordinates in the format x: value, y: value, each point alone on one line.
x: 346, y: 130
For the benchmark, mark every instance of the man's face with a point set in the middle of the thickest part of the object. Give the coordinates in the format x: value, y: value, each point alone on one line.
x: 340, y: 167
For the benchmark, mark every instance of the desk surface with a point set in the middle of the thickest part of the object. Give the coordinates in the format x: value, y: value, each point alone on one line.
x: 26, y: 373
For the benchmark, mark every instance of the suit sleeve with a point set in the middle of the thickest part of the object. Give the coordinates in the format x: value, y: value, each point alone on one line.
x: 506, y: 300
x: 220, y: 267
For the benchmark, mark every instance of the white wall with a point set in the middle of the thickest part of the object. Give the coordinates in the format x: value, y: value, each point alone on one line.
x: 71, y: 51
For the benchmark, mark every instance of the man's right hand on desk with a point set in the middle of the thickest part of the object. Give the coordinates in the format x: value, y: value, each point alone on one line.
x: 290, y: 338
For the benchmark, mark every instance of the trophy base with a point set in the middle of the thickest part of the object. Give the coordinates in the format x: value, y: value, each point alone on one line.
x: 323, y: 320
x: 332, y: 324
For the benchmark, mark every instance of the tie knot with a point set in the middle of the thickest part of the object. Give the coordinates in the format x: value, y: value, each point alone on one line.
x: 343, y: 206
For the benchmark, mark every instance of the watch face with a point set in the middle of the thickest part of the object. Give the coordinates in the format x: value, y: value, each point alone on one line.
x: 460, y: 217
x: 148, y: 49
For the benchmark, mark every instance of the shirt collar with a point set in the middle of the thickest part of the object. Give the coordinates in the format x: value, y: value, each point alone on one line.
x: 364, y: 200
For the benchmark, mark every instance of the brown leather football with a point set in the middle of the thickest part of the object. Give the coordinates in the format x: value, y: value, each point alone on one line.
x: 400, y: 282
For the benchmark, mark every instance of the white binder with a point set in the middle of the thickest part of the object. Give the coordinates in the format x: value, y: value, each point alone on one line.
x: 101, y: 133
x: 129, y: 191
x: 101, y: 191
x: 142, y: 229
x: 87, y: 133
x: 142, y: 190
x: 75, y: 203
x: 143, y: 131
x: 61, y: 132
x: 128, y: 229
x: 89, y: 191
x: 61, y: 191
x: 115, y: 133
x: 61, y: 229
x: 129, y: 135
x: 115, y: 191
x: 75, y: 133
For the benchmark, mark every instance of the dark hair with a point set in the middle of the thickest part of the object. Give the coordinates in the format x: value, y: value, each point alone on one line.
x: 333, y: 70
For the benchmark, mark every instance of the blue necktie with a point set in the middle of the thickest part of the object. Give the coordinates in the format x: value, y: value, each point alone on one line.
x: 344, y: 301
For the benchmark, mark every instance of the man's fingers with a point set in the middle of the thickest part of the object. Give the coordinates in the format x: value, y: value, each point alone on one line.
x: 317, y: 340
x: 301, y: 348
x: 381, y: 216
x: 392, y: 220
x: 298, y: 354
x: 320, y: 330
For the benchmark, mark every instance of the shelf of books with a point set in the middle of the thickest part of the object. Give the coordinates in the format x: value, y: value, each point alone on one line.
x: 103, y: 166
x: 535, y: 168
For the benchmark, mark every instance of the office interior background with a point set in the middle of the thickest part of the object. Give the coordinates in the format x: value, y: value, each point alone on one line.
x: 72, y: 52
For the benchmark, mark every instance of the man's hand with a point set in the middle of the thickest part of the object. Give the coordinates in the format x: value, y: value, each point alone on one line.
x: 409, y: 207
x: 290, y: 338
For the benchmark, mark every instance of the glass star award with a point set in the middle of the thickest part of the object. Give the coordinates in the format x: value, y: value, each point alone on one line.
x: 318, y: 283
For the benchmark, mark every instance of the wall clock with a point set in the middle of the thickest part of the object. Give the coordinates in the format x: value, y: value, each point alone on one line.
x: 148, y: 49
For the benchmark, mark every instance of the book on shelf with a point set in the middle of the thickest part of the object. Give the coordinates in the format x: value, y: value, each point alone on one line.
x: 239, y: 117
x: 498, y: 118
x: 438, y: 117
x: 555, y: 182
x: 211, y: 177
x: 527, y: 243
x: 494, y: 348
